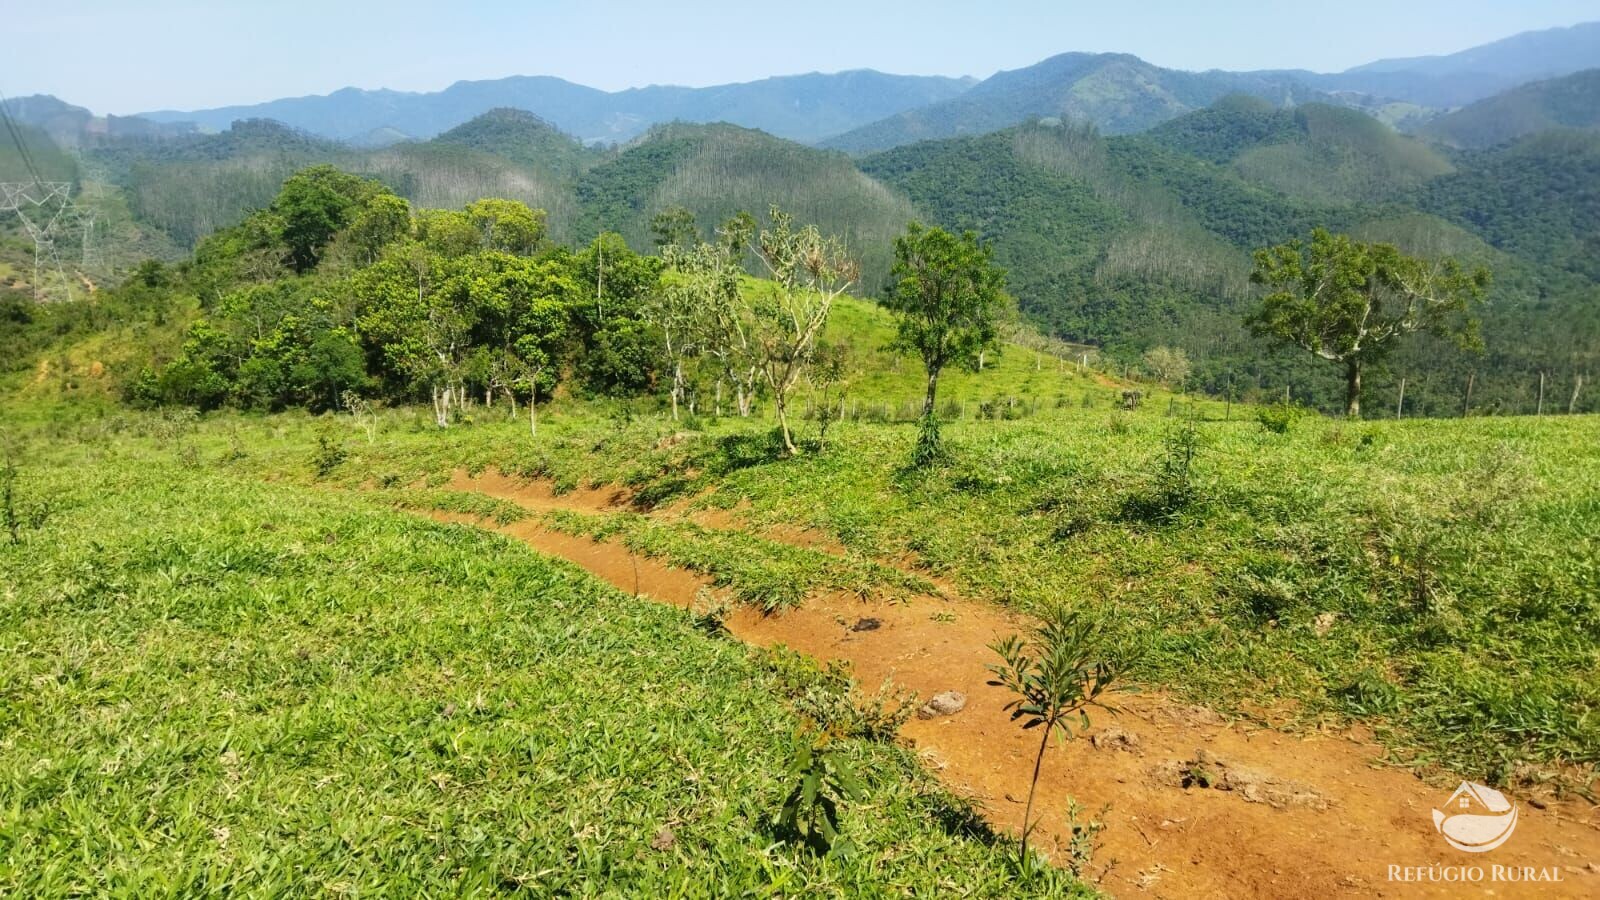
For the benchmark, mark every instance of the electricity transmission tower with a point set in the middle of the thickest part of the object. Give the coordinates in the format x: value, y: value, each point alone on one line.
x: 47, y: 214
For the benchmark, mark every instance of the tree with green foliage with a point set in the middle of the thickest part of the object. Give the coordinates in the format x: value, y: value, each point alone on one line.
x: 524, y: 319
x: 1349, y: 302
x: 807, y: 272
x: 680, y: 311
x: 507, y: 226
x: 1168, y: 365
x: 376, y: 223
x: 947, y: 294
x: 674, y: 227
x: 410, y: 309
x: 618, y: 347
x: 314, y: 205
x: 706, y: 279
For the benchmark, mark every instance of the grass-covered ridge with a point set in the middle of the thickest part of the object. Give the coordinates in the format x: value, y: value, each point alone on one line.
x: 214, y: 684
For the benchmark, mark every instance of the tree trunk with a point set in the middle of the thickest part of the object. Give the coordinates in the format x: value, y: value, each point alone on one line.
x: 677, y: 387
x: 933, y: 391
x: 1352, y: 389
x: 781, y: 406
x: 533, y: 417
x: 1577, y: 385
x: 441, y: 406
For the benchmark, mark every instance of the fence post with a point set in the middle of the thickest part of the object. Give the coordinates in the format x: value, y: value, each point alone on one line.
x: 1400, y: 404
x: 1466, y: 405
x: 1540, y: 411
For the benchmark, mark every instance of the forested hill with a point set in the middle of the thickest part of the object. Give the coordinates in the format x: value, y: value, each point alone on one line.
x: 1570, y: 102
x: 1130, y: 242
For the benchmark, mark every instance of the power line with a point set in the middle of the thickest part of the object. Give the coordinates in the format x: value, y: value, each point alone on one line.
x: 16, y: 138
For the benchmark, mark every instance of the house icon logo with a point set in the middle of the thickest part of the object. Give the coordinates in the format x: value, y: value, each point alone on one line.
x: 1476, y: 819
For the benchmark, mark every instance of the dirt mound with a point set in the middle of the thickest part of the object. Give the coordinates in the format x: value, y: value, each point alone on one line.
x: 1209, y: 771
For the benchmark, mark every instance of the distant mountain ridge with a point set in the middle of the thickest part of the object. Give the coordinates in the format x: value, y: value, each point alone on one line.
x: 1118, y: 92
x: 72, y: 126
x: 804, y: 108
x: 863, y: 110
x: 1525, y: 56
x: 1121, y: 94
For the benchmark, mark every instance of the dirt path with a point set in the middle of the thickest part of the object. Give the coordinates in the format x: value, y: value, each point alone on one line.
x: 1301, y: 815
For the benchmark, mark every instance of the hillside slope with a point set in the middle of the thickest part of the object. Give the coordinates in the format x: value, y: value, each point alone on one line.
x: 523, y: 138
x: 1314, y: 151
x: 1131, y: 242
x: 718, y: 170
x: 1570, y: 102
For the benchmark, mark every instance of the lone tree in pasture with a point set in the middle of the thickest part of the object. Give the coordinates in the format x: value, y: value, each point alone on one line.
x: 1349, y: 302
x: 948, y: 296
x: 807, y: 272
x: 1168, y: 365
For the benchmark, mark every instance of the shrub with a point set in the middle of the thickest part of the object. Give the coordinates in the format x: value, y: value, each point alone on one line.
x: 1278, y: 418
x: 810, y: 813
x: 330, y: 453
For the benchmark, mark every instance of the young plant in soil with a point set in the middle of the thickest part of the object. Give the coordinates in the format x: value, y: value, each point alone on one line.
x: 821, y: 778
x: 1056, y: 674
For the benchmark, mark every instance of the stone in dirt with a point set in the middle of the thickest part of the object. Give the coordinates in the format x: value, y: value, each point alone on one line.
x: 867, y: 624
x: 946, y: 703
x: 1207, y: 770
x: 1115, y: 739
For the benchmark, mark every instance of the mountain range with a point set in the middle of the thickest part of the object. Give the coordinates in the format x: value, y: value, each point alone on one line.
x: 866, y: 110
x: 804, y: 108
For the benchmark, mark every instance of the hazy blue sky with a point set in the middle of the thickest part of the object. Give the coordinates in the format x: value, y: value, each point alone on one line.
x: 122, y: 56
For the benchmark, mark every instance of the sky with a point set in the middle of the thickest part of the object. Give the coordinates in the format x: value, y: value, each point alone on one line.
x: 116, y: 56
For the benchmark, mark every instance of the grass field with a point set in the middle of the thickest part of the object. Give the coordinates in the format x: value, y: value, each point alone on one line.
x: 236, y: 658
x: 213, y: 684
x: 1437, y: 580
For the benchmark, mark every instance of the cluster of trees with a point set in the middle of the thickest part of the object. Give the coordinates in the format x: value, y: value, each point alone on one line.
x: 746, y: 338
x: 340, y: 286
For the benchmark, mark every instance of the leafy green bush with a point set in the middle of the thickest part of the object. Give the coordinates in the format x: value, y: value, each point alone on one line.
x: 1278, y: 418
